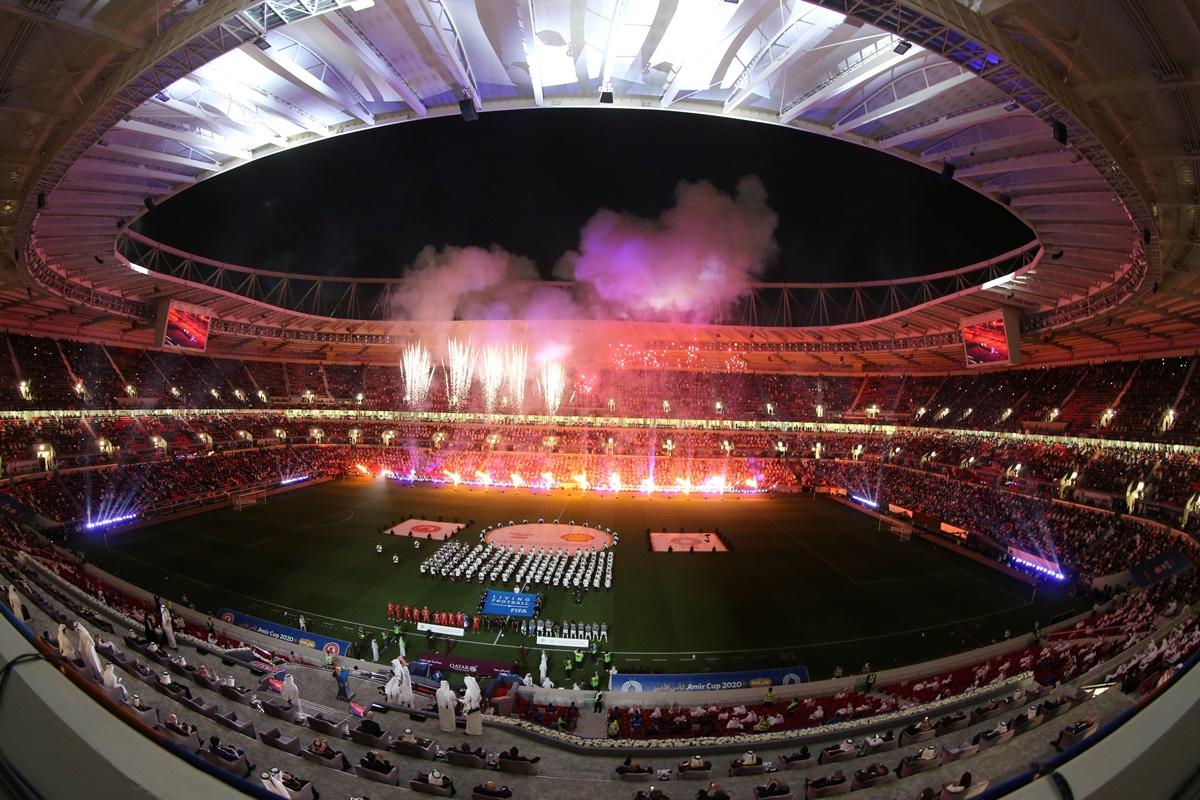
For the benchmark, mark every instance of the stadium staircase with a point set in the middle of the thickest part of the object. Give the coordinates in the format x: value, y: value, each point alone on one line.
x: 113, y: 363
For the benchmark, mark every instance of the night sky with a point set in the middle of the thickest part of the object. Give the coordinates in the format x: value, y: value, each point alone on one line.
x: 364, y: 204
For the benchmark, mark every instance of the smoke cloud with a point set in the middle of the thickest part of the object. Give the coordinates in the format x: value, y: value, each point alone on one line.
x: 689, y: 264
x: 698, y: 257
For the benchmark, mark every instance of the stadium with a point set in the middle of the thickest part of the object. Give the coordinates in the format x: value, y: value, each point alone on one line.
x: 674, y: 455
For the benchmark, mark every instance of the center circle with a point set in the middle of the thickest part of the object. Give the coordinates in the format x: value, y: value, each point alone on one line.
x: 571, y: 537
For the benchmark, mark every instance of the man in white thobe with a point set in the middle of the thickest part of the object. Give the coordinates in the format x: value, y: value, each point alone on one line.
x: 109, y: 679
x: 14, y: 602
x: 406, y: 689
x: 290, y: 693
x: 168, y: 626
x: 374, y: 650
x: 87, y: 649
x: 473, y: 703
x: 391, y: 690
x: 543, y: 667
x: 65, y: 648
x: 446, y: 700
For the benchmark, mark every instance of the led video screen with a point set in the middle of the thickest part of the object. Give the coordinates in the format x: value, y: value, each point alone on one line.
x: 992, y: 339
x: 186, y: 328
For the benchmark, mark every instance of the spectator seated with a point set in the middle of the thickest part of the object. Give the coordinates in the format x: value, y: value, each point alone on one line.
x: 695, y: 768
x: 773, y: 790
x: 409, y: 744
x: 374, y: 767
x: 490, y: 790
x: 434, y: 783
x: 466, y: 756
x: 828, y: 786
x: 747, y: 764
x: 872, y: 775
x: 1075, y: 733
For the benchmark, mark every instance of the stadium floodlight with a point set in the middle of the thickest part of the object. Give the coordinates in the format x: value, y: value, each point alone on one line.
x: 104, y: 523
x: 138, y: 268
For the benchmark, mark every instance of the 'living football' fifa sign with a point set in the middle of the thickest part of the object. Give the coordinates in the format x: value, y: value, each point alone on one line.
x: 509, y: 604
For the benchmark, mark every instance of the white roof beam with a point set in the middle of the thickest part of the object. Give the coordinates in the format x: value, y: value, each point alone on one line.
x: 447, y: 33
x: 349, y: 32
x: 218, y: 124
x: 947, y: 123
x: 984, y: 141
x: 873, y: 60
x: 1053, y: 158
x: 264, y: 101
x: 190, y: 138
x: 1084, y: 198
x: 302, y: 79
x: 99, y: 184
x: 141, y: 155
x: 529, y: 41
x: 124, y: 168
x: 807, y: 29
x: 903, y: 103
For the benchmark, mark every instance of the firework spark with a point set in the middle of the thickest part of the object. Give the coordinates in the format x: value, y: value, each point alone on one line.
x: 516, y: 480
x: 417, y: 368
x: 491, y: 375
x: 552, y: 384
x: 461, y: 367
x: 516, y: 362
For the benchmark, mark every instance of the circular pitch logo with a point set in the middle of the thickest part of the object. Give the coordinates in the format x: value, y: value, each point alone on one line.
x: 426, y: 528
x: 683, y: 541
x: 577, y: 537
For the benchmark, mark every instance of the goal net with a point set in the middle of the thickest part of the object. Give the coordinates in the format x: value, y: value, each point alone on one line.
x: 245, y: 499
x: 901, y: 530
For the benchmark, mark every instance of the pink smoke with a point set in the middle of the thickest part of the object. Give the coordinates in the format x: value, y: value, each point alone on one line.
x: 691, y: 262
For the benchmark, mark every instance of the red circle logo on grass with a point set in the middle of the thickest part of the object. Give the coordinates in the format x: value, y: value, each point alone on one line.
x: 426, y: 528
x: 577, y: 537
x: 683, y: 541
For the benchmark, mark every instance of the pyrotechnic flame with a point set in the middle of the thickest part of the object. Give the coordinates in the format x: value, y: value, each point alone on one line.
x: 647, y: 485
x: 483, y: 477
x: 582, y: 480
x: 614, y: 481
x: 453, y: 477
x: 515, y: 365
x: 548, y: 479
x: 552, y: 384
x: 459, y: 369
x: 491, y: 376
x: 516, y: 480
x: 714, y: 483
x: 417, y: 369
x: 684, y: 484
x: 751, y: 483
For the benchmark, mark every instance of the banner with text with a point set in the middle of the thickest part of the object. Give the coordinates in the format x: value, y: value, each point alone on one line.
x: 285, y: 633
x: 509, y: 604
x: 479, y: 667
x: 707, y: 682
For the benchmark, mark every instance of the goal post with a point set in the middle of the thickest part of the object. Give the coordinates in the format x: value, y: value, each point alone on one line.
x: 242, y: 500
x: 901, y: 530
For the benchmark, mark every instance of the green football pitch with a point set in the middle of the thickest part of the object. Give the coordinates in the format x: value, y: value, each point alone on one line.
x: 807, y: 581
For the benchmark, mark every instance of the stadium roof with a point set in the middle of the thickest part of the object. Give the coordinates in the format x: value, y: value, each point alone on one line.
x: 108, y: 104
